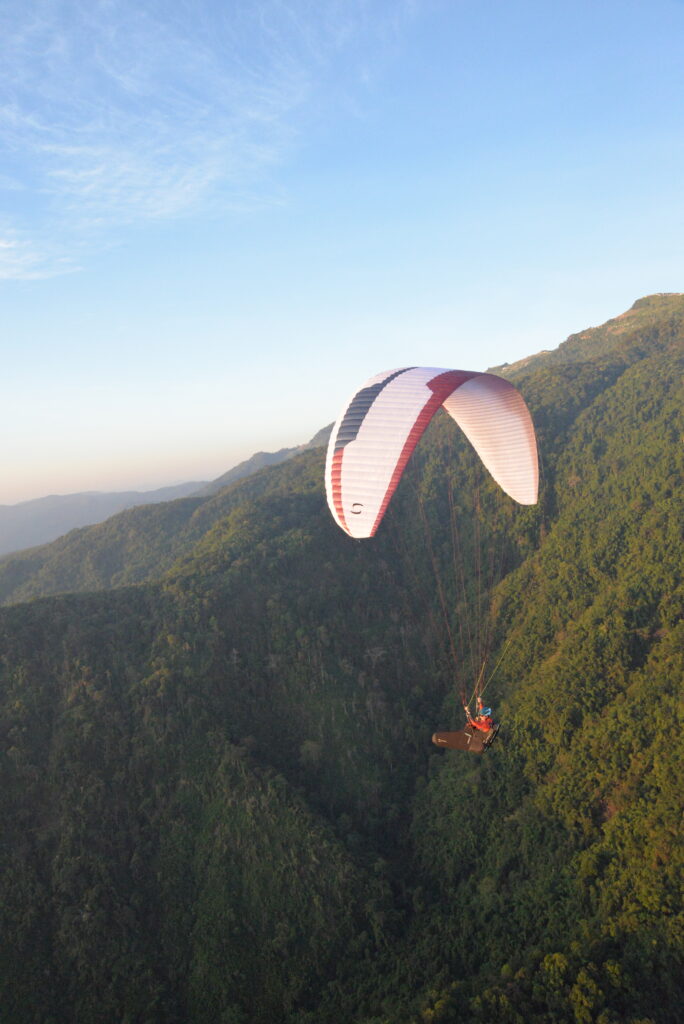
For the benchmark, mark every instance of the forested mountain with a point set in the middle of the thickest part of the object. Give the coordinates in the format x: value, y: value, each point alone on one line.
x: 219, y: 797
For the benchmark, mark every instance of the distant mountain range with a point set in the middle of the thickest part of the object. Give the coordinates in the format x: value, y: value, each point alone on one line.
x: 45, y: 519
x: 31, y: 523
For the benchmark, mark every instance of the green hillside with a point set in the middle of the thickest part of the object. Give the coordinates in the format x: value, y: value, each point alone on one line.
x: 220, y: 801
x: 134, y: 546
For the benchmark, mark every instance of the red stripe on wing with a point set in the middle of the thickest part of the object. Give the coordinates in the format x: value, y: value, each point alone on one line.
x: 443, y: 385
x: 336, y: 481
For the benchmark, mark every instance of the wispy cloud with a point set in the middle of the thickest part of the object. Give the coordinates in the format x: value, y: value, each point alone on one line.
x: 22, y: 260
x: 121, y: 111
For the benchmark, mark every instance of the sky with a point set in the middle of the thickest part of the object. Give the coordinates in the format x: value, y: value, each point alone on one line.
x: 218, y: 218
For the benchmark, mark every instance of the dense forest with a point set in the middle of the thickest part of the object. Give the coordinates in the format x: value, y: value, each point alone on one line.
x: 220, y: 803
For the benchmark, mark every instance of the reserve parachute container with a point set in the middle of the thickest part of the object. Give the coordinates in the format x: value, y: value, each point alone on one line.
x: 379, y: 428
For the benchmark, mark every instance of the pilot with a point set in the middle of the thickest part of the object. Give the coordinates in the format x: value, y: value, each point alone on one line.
x: 483, y: 719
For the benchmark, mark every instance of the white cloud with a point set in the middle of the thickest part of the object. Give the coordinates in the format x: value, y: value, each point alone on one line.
x: 21, y: 259
x: 117, y: 111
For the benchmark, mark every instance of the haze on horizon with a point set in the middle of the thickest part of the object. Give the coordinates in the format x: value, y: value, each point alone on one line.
x: 217, y: 221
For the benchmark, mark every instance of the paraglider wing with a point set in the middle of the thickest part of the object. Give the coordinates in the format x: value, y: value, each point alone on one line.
x: 493, y: 416
x: 379, y: 428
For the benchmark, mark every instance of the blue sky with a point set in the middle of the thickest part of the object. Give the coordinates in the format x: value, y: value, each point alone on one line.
x: 217, y: 219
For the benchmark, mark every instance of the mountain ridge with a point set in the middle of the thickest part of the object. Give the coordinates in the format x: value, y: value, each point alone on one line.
x: 39, y: 521
x: 116, y: 557
x: 262, y: 460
